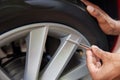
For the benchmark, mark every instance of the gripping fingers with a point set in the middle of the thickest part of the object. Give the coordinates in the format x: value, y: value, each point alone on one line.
x: 90, y: 60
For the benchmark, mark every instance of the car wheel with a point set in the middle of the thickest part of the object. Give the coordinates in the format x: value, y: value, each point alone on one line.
x: 34, y: 40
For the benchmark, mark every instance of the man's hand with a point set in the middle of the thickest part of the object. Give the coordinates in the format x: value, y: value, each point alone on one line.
x: 107, y: 24
x: 103, y: 65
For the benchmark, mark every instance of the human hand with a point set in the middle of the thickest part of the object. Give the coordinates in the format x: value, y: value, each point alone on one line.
x: 108, y: 69
x: 117, y: 78
x: 106, y: 23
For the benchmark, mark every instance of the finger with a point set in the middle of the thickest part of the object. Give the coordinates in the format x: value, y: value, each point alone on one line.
x: 90, y: 64
x: 101, y: 18
x: 87, y: 3
x: 95, y: 59
x: 105, y: 22
x: 98, y: 64
x: 95, y: 11
x: 99, y: 53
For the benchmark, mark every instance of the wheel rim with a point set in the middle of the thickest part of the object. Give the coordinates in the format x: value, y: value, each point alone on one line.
x: 36, y: 36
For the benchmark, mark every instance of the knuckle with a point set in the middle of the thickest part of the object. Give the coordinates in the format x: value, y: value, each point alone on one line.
x: 97, y: 13
x: 112, y: 28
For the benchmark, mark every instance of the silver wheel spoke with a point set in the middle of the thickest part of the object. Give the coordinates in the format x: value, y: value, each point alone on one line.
x: 55, y: 63
x: 59, y: 61
x: 76, y: 74
x: 36, y: 44
x: 3, y: 75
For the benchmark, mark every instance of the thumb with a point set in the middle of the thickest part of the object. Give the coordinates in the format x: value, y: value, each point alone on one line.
x: 99, y: 52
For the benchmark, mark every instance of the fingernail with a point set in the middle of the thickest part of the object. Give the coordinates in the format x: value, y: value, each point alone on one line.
x: 90, y: 8
x: 95, y: 48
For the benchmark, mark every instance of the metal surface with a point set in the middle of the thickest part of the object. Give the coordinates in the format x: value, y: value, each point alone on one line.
x: 76, y: 74
x: 36, y: 39
x: 3, y: 75
x: 60, y: 60
x: 36, y: 44
x: 79, y: 44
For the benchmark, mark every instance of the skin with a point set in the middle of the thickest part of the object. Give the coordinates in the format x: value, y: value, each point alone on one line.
x: 108, y: 69
x: 106, y: 23
x: 103, y: 65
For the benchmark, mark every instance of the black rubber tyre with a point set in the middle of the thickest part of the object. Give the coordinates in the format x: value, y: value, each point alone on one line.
x: 17, y: 13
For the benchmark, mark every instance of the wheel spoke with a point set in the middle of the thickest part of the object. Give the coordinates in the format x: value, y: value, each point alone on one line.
x: 60, y: 60
x: 76, y: 74
x: 54, y: 70
x: 3, y: 75
x: 36, y: 44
